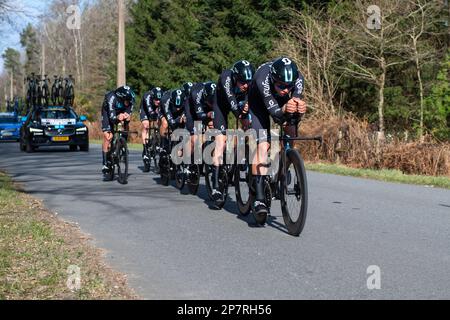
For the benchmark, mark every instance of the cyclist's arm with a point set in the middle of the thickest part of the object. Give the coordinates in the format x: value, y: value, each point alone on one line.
x: 198, y: 104
x: 270, y: 102
x: 226, y: 83
x: 298, y: 89
x: 112, y: 114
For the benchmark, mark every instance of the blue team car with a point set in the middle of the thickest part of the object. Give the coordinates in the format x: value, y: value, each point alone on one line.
x: 53, y: 126
x: 9, y: 126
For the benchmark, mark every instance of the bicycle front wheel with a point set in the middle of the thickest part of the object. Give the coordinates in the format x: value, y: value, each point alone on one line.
x: 122, y: 161
x: 294, y: 193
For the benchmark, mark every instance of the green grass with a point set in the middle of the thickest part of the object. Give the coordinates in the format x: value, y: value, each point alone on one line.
x: 384, y: 175
x: 36, y: 250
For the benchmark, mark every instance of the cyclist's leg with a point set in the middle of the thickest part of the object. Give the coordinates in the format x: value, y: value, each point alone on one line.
x: 261, y: 124
x: 145, y: 129
x: 220, y: 123
x: 163, y: 131
x: 107, y: 128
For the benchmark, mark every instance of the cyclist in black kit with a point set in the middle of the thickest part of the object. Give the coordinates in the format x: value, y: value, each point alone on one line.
x: 232, y: 89
x: 173, y: 107
x: 276, y: 92
x: 149, y: 114
x: 199, y: 108
x: 117, y: 106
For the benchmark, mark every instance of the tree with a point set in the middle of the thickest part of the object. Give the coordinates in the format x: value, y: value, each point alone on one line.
x: 419, y: 23
x: 29, y: 40
x: 371, y: 50
x: 313, y: 42
x: 11, y: 59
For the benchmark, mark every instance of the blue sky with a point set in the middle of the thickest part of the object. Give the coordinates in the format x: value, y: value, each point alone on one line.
x: 10, y: 35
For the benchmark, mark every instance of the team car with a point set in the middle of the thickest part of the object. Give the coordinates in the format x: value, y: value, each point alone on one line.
x: 53, y: 126
x: 9, y: 126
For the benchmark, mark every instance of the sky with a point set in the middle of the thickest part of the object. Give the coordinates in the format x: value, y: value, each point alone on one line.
x: 10, y: 35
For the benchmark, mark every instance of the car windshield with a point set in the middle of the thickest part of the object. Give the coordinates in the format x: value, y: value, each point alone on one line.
x: 57, y: 114
x: 8, y: 120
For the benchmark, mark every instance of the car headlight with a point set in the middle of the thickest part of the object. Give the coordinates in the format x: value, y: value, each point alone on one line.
x: 81, y: 130
x: 34, y: 130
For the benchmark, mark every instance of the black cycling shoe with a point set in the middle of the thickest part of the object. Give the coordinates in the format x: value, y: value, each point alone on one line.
x: 260, y: 211
x: 217, y: 198
x: 105, y: 169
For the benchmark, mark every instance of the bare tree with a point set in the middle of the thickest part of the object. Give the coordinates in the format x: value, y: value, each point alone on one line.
x: 420, y: 22
x: 371, y: 49
x: 312, y: 41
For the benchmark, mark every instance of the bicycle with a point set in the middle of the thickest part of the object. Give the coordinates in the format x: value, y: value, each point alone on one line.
x: 69, y: 94
x: 166, y: 166
x: 118, y: 156
x: 151, y: 149
x: 288, y: 184
x: 57, y: 91
x: 225, y: 176
x: 44, y: 92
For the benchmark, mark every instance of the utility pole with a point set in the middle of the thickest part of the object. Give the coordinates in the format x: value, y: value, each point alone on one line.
x: 11, y: 92
x: 43, y: 59
x: 121, y: 46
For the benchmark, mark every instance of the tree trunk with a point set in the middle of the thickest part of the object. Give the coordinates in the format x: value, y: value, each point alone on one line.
x: 419, y: 77
x: 81, y: 60
x: 77, y: 64
x: 381, y: 85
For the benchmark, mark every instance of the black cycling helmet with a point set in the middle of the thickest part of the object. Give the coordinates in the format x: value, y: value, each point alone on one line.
x: 209, y: 91
x: 284, y: 71
x: 243, y: 71
x: 156, y: 93
x: 125, y: 93
x: 177, y: 97
x: 187, y: 88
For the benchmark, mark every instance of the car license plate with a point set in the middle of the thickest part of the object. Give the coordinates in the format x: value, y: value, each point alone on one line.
x: 60, y: 138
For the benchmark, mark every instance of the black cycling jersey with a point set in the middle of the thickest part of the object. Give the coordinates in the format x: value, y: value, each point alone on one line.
x: 264, y: 102
x: 111, y: 108
x: 171, y: 112
x: 196, y: 108
x: 229, y: 98
x: 148, y: 110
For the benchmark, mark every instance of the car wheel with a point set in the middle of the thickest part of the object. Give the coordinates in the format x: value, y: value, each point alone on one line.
x: 28, y: 147
x: 73, y: 148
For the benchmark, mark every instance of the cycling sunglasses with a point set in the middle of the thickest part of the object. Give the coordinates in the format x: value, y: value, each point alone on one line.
x: 283, y: 86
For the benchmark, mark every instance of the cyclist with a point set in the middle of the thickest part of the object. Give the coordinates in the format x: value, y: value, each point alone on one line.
x: 199, y: 108
x: 276, y: 92
x: 117, y: 106
x: 149, y: 115
x: 187, y: 88
x: 173, y: 106
x: 232, y: 89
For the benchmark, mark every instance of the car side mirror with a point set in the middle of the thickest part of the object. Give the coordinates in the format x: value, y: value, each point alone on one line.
x: 83, y: 118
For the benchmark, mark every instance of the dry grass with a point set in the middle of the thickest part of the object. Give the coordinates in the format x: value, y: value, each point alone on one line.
x: 351, y: 142
x: 36, y: 249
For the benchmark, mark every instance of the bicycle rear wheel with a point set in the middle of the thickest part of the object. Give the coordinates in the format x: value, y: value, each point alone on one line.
x: 122, y: 163
x: 180, y: 177
x: 294, y: 193
x: 164, y: 169
x: 244, y: 196
x: 193, y: 180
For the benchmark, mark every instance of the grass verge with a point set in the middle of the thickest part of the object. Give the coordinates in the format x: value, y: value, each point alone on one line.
x: 40, y: 254
x: 384, y: 175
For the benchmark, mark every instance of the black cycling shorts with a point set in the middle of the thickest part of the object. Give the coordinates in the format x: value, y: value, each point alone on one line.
x: 260, y: 122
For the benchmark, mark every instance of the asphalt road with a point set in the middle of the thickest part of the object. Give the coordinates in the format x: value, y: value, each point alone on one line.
x: 172, y: 246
